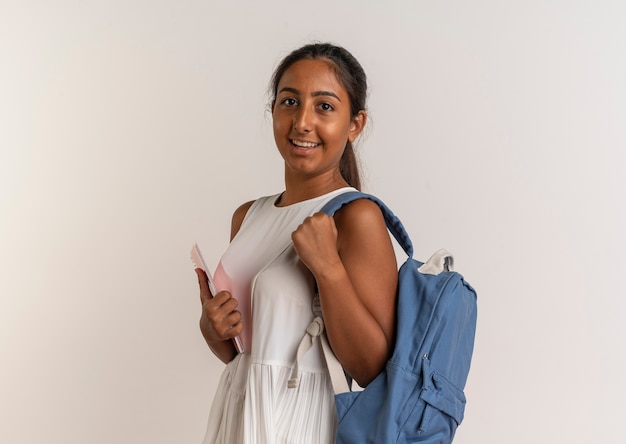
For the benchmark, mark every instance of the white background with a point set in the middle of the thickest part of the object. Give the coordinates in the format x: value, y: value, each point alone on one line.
x: 129, y: 129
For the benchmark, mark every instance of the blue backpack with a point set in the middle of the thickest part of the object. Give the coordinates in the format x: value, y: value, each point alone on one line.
x: 418, y: 397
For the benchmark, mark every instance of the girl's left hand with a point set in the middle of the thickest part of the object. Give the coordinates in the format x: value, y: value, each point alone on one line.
x: 315, y: 241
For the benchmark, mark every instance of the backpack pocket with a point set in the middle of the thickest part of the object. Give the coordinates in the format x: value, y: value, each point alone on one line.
x: 444, y: 406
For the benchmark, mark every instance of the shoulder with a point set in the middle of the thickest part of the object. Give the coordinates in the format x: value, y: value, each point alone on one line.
x: 364, y: 243
x: 361, y: 213
x: 361, y: 224
x: 238, y: 216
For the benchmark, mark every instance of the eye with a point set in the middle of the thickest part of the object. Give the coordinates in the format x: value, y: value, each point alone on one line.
x: 289, y: 101
x: 326, y: 106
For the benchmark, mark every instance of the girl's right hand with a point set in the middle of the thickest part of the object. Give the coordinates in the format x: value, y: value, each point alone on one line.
x: 220, y: 320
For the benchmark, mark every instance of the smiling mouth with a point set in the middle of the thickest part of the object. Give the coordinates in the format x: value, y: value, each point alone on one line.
x: 303, y: 144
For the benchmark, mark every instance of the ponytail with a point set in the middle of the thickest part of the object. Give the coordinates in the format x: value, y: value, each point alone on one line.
x: 349, y: 167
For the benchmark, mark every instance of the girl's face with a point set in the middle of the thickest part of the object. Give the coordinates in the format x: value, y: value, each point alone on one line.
x: 312, y: 121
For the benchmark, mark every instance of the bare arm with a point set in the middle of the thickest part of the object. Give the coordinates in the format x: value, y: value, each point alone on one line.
x: 220, y: 320
x: 352, y: 259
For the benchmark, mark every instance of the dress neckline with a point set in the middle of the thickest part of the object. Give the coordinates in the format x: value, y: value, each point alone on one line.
x: 312, y: 199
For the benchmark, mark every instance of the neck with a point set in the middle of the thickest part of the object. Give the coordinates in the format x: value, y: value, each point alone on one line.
x: 298, y: 189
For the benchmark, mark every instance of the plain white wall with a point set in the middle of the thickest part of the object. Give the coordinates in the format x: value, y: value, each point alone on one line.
x: 129, y: 129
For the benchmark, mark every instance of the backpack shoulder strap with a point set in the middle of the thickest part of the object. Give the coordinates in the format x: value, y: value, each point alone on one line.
x: 394, y: 225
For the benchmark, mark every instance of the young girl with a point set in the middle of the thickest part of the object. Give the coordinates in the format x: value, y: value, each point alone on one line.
x: 282, y: 249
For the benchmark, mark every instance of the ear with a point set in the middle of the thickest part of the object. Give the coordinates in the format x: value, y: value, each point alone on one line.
x: 357, y: 125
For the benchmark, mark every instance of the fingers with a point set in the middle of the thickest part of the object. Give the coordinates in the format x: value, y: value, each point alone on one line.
x: 227, y: 327
x: 232, y: 326
x: 319, y: 223
x: 315, y: 241
x: 317, y: 218
x: 223, y: 301
x: 221, y: 314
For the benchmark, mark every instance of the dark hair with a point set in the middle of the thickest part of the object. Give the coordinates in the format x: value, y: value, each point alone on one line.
x: 352, y: 77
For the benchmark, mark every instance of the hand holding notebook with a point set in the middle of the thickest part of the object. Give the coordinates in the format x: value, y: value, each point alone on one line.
x: 198, y: 261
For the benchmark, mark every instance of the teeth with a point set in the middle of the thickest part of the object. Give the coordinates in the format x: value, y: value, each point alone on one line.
x: 304, y: 144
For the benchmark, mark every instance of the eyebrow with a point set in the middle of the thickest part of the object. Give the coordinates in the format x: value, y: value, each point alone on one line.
x: 315, y: 94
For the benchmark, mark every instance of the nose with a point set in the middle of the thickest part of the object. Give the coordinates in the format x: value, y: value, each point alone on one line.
x: 303, y: 120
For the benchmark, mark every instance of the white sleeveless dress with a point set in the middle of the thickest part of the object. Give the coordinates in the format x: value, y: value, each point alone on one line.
x: 253, y: 403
